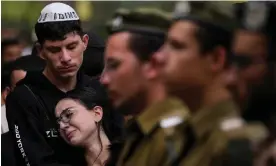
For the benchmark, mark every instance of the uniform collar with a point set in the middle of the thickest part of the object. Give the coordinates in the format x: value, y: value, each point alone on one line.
x: 207, y: 119
x: 149, y: 119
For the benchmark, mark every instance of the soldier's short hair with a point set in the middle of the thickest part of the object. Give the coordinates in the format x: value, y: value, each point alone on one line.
x: 215, y: 22
x: 148, y: 28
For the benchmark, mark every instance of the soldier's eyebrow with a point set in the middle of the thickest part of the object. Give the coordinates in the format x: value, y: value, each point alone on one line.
x: 112, y: 60
x: 176, y: 43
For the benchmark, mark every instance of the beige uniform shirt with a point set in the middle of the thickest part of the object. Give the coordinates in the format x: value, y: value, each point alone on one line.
x: 222, y: 137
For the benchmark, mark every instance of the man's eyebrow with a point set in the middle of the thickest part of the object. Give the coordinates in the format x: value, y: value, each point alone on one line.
x: 110, y: 60
x: 72, y: 43
x: 53, y: 47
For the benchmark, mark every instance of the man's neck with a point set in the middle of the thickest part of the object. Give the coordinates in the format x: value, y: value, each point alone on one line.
x: 216, y: 92
x: 64, y: 85
x: 155, y: 92
x: 191, y: 96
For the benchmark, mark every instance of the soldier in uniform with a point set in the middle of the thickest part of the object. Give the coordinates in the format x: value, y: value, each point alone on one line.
x: 135, y: 87
x: 196, y: 63
x: 254, y: 50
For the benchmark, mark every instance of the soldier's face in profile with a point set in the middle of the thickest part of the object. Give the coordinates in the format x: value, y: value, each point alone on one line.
x: 122, y: 74
x: 251, y: 49
x: 183, y: 65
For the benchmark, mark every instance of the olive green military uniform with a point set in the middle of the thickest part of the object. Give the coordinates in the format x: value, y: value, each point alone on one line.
x: 223, y: 138
x: 220, y: 136
x: 155, y: 136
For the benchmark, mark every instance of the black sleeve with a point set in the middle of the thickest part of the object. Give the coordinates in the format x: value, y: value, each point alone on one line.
x: 31, y: 147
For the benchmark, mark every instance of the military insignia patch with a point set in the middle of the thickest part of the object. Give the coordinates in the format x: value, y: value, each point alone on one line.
x: 171, y: 122
x: 231, y: 123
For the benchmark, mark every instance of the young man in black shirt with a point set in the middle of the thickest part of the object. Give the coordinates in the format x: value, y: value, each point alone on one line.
x: 30, y: 107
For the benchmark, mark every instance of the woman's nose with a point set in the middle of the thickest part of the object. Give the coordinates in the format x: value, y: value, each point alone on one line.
x: 63, y: 125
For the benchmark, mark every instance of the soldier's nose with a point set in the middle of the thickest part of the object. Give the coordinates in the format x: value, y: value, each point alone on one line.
x: 159, y: 58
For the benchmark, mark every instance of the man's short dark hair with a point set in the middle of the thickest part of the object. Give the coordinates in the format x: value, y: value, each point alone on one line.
x: 26, y: 63
x: 143, y: 46
x: 210, y: 38
x: 8, y: 42
x: 57, y: 30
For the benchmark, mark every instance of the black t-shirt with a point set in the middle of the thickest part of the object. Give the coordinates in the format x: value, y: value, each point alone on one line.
x: 30, y: 114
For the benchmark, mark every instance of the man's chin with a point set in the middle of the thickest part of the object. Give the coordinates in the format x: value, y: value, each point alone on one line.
x: 68, y: 74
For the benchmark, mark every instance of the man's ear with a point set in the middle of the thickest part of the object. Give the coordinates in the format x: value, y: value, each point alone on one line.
x: 85, y: 40
x: 98, y: 113
x: 149, y: 70
x: 39, y: 50
x: 218, y: 58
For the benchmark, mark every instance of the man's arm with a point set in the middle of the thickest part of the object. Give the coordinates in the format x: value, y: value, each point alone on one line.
x: 31, y: 147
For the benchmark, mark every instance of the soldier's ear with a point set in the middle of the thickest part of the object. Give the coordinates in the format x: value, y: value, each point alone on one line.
x: 149, y: 70
x: 218, y: 58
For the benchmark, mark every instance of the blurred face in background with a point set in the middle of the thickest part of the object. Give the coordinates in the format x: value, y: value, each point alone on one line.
x: 16, y: 76
x: 64, y: 58
x: 11, y: 52
x: 251, y: 50
x: 123, y: 72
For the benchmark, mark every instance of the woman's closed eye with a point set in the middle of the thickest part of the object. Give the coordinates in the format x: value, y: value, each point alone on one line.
x: 66, y: 115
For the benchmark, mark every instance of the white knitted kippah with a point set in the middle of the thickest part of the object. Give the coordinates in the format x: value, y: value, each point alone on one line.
x: 57, y: 12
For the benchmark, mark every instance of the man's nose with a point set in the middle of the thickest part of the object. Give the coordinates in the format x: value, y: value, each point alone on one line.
x: 104, y: 79
x: 160, y: 58
x: 65, y: 56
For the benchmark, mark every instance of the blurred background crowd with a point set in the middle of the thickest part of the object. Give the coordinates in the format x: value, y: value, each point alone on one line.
x: 18, y: 17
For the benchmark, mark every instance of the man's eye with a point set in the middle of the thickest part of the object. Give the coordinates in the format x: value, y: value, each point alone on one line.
x: 54, y: 50
x: 72, y: 47
x: 176, y: 45
x: 113, y: 65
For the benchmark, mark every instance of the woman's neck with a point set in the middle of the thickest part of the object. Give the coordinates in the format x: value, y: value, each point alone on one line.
x: 96, y: 154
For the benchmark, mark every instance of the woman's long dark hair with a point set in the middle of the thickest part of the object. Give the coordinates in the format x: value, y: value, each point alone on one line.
x: 111, y: 123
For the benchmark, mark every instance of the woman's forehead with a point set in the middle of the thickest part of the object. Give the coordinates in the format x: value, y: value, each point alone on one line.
x: 65, y: 103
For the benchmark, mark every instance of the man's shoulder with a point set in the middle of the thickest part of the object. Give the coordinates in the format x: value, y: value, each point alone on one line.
x: 236, y: 130
x: 236, y: 141
x: 22, y: 93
